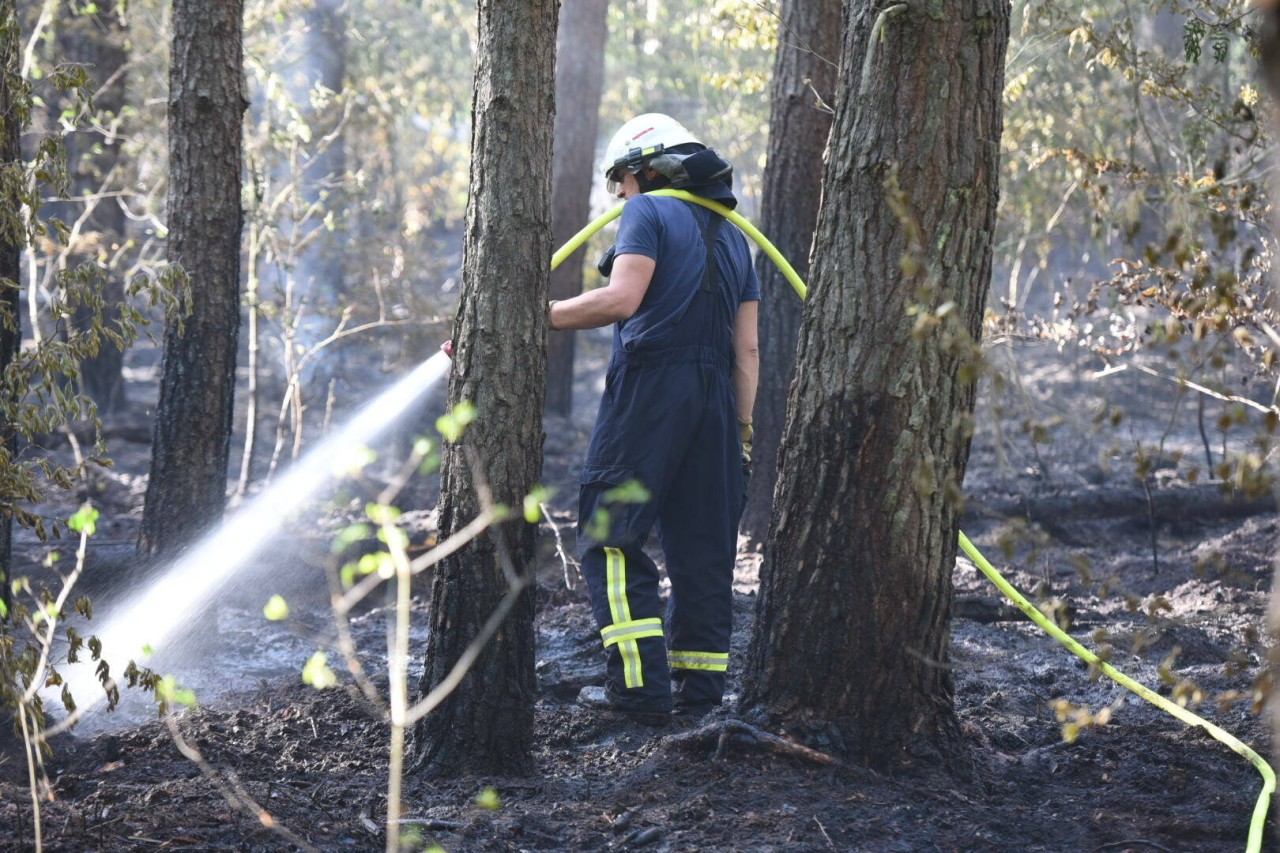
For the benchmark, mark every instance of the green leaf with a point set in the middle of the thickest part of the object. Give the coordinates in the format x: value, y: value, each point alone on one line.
x: 1192, y: 34
x: 1219, y: 42
x: 84, y: 521
x: 276, y: 609
x: 379, y: 563
x: 349, y: 535
x: 533, y: 501
x: 353, y: 460
x: 394, y: 536
x: 317, y: 672
x: 598, y: 527
x: 488, y: 800
x: 630, y: 492
x: 168, y: 691
x: 382, y: 514
x: 452, y: 424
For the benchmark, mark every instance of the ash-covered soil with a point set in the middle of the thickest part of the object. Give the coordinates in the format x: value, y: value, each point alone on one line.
x: 1177, y: 600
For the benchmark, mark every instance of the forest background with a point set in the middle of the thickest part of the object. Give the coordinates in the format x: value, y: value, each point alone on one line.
x: 1134, y: 159
x: 1133, y: 230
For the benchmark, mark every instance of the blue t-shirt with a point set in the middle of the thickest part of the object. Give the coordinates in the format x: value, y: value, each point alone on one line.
x: 666, y: 230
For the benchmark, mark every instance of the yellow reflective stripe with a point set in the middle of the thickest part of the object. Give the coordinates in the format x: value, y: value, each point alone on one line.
x: 615, y: 570
x: 711, y: 661
x: 631, y: 631
x: 632, y: 668
x: 624, y: 636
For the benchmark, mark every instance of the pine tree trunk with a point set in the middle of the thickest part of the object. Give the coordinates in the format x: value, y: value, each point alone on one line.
x: 500, y: 336
x: 854, y: 620
x: 579, y: 76
x: 186, y: 492
x: 798, y: 130
x: 1269, y: 62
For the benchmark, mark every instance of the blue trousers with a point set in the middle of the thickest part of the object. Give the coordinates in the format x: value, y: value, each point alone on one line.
x: 665, y: 453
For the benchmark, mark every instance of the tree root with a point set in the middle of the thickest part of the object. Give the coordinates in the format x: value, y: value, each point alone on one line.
x: 722, y: 731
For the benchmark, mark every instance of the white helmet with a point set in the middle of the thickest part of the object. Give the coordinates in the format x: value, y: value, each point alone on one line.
x: 638, y: 140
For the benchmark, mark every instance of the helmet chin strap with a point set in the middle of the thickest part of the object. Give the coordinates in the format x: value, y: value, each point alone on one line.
x: 648, y: 184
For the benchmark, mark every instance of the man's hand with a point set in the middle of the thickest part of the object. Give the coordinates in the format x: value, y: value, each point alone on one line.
x: 447, y: 348
x: 745, y: 434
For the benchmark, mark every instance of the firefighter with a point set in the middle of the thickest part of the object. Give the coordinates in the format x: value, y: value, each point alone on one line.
x: 672, y: 440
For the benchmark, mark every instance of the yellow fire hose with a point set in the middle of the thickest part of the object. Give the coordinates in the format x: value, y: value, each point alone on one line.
x: 1032, y: 612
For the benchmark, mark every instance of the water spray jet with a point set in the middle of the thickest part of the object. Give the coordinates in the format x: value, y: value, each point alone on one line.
x: 149, y: 619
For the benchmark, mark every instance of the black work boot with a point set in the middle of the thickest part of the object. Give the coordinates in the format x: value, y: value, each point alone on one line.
x: 606, y: 699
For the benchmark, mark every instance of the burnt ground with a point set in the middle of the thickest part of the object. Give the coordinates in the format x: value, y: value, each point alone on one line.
x: 1177, y: 590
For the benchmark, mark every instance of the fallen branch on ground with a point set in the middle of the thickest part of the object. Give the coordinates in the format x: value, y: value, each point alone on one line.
x: 722, y: 731
x: 1200, y: 502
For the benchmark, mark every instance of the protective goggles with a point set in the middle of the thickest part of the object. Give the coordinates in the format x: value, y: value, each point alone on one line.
x: 633, y: 162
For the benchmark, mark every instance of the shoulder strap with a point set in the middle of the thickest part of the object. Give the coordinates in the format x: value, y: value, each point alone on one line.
x: 710, y: 228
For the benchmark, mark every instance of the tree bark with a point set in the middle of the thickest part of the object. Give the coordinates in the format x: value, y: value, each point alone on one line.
x: 186, y: 492
x: 579, y: 76
x: 485, y: 726
x: 808, y: 49
x: 1269, y: 62
x: 853, y: 625
x: 10, y: 257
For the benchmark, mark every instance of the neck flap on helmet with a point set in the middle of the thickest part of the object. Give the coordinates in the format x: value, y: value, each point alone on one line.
x: 703, y: 173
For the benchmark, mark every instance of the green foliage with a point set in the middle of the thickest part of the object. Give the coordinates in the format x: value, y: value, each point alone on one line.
x: 84, y: 521
x: 39, y: 391
x: 1075, y: 719
x: 706, y: 63
x: 1134, y: 228
x: 276, y: 609
x: 170, y: 693
x: 601, y: 521
x: 29, y: 667
x: 378, y: 160
x: 452, y: 424
x: 317, y: 673
x: 533, y: 503
x: 630, y: 492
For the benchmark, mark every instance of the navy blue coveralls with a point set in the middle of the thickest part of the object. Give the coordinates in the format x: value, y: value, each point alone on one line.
x: 668, y: 420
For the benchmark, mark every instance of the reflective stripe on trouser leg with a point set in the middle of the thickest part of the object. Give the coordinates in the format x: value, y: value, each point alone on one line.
x: 705, y: 661
x: 624, y: 636
x: 624, y: 632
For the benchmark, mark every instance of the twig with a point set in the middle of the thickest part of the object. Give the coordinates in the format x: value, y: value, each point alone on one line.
x: 640, y: 837
x: 231, y: 790
x: 824, y: 833
x: 33, y: 758
x: 565, y: 561
x: 1129, y: 841
x: 819, y: 103
x: 1151, y: 525
x: 437, y: 695
x: 722, y: 730
x: 1204, y: 436
x: 1226, y: 398
x: 368, y: 583
x: 431, y: 823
